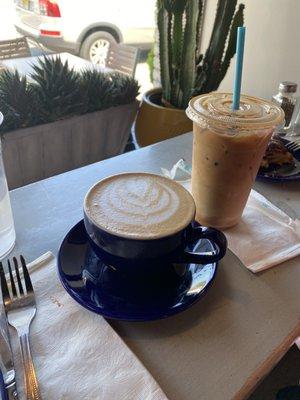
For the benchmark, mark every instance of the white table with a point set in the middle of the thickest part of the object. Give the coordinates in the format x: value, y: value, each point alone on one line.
x: 221, y: 347
x: 24, y: 64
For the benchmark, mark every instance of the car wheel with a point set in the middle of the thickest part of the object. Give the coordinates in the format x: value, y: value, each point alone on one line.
x: 96, y: 46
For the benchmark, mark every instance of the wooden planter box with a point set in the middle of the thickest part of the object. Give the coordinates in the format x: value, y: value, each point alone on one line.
x: 38, y: 152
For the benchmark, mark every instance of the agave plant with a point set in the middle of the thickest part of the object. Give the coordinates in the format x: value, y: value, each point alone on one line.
x: 97, y: 90
x: 185, y: 72
x: 125, y: 88
x: 56, y: 91
x: 102, y: 90
x: 17, y: 101
x: 56, y: 88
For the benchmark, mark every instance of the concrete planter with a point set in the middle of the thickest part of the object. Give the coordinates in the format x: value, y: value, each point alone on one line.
x: 38, y: 152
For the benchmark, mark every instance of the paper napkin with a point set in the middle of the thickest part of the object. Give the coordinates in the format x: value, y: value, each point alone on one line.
x: 264, y: 237
x: 77, y: 355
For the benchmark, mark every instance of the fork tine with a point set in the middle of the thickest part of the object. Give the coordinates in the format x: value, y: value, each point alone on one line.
x: 4, y: 287
x: 292, y: 146
x: 18, y: 276
x: 12, y: 281
x: 27, y: 279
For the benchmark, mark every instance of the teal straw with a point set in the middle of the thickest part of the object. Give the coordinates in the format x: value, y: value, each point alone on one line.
x: 238, y: 67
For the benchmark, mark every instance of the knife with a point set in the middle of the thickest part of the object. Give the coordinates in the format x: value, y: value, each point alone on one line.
x: 6, y: 359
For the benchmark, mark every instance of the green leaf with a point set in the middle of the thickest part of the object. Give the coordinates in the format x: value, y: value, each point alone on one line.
x: 58, y: 92
x: 16, y: 101
x: 187, y: 78
x: 238, y: 20
x: 164, y: 40
x: 214, y: 54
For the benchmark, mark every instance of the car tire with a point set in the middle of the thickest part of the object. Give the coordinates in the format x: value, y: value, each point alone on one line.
x: 96, y: 46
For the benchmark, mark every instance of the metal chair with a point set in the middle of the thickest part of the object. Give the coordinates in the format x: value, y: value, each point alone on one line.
x: 14, y: 48
x: 122, y: 58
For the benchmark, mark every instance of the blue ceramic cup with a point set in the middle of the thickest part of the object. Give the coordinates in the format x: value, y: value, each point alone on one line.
x: 172, y: 247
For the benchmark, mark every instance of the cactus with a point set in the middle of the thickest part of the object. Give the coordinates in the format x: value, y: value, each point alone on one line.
x: 185, y: 72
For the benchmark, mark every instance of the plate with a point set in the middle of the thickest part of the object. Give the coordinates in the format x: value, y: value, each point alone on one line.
x: 283, y: 174
x: 109, y: 291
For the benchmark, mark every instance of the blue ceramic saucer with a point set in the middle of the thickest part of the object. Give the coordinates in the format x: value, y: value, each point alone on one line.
x: 108, y: 291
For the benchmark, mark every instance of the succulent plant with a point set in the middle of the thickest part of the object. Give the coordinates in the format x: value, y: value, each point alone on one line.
x: 185, y: 72
x: 56, y: 91
x: 97, y: 89
x: 16, y: 101
x: 125, y: 89
x: 56, y: 88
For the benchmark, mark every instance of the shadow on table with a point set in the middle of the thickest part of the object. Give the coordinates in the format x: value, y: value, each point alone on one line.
x: 286, y: 373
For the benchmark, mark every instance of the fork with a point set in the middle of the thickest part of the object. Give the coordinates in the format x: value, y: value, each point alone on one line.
x: 293, y: 145
x: 21, y: 308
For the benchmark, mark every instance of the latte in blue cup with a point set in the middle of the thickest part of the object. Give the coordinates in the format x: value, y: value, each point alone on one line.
x: 142, y: 216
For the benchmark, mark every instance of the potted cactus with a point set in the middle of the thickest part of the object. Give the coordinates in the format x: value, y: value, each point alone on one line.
x: 184, y: 71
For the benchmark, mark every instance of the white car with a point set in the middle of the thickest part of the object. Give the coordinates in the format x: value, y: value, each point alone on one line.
x: 86, y: 27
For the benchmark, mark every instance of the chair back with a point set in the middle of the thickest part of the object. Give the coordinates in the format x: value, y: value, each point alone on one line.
x: 122, y: 58
x: 14, y: 48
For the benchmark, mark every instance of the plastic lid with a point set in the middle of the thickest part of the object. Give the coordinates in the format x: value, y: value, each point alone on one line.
x: 215, y: 109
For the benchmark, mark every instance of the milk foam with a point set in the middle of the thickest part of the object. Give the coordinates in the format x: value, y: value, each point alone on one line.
x: 139, y: 205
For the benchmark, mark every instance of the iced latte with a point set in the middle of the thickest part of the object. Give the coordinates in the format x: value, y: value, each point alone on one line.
x: 228, y: 147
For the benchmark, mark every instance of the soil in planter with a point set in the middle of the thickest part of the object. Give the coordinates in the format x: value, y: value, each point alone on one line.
x: 156, y: 99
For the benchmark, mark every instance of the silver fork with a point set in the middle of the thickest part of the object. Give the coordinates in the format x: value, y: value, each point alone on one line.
x: 293, y: 145
x: 21, y: 308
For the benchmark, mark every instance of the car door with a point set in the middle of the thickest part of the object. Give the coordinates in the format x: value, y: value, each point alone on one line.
x: 136, y: 20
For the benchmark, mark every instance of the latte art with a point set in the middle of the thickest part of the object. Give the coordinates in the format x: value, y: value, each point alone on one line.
x: 139, y: 205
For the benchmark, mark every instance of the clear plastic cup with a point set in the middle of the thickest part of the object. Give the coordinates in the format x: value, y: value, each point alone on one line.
x: 228, y: 148
x: 7, y: 229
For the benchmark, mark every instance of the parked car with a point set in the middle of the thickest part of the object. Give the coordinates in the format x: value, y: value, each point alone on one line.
x: 86, y: 27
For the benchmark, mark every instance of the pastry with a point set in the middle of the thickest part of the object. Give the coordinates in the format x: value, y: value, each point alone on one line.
x: 276, y: 155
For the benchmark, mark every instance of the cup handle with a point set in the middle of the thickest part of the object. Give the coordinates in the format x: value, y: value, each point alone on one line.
x: 216, y: 237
